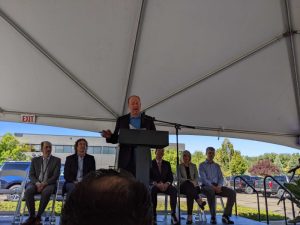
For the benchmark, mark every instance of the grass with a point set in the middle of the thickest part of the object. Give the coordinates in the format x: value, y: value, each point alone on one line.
x: 242, y: 211
x: 246, y: 212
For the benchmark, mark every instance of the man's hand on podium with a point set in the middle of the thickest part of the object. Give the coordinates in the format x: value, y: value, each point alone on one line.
x: 106, y: 133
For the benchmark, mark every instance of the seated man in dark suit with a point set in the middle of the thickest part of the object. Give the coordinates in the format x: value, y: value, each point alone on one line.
x: 78, y: 165
x: 43, y: 175
x: 161, y: 179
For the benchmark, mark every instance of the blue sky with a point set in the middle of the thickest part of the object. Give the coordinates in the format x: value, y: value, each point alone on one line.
x: 192, y: 142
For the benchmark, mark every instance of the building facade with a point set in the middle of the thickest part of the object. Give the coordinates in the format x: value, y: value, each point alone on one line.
x: 63, y: 146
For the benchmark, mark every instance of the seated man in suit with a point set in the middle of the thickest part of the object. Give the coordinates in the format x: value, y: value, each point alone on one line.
x: 212, y: 183
x: 161, y: 179
x: 43, y: 175
x: 78, y: 165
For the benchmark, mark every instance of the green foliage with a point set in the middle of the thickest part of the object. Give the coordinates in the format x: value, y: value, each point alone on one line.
x: 278, y: 163
x: 230, y: 160
x: 242, y: 211
x: 294, y: 188
x: 271, y: 156
x: 10, y: 149
x: 233, y: 163
x: 238, y: 165
x: 198, y: 157
x: 170, y: 156
x: 293, y: 162
x: 284, y: 159
x: 224, y: 155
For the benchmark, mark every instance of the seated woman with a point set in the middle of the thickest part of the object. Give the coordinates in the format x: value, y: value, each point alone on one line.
x: 188, y: 178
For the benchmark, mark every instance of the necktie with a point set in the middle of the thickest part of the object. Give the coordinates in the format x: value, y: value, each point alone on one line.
x: 159, y: 166
x: 43, y: 175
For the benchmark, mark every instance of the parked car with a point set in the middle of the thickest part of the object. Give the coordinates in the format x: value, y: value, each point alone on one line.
x: 240, y: 185
x: 272, y: 188
x: 11, y: 179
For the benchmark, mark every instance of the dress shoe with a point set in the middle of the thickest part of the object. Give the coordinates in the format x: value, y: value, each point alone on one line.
x: 201, y: 206
x: 213, y: 220
x: 226, y: 219
x: 29, y: 221
x: 154, y: 220
x: 189, y: 221
x: 174, y: 219
x: 38, y: 221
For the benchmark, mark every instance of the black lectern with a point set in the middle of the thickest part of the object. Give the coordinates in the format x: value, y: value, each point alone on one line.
x: 142, y: 141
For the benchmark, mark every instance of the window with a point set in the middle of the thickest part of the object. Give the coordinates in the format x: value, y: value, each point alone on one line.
x: 68, y: 149
x: 59, y: 148
x: 109, y: 150
x: 97, y: 149
x: 36, y: 148
x: 90, y: 150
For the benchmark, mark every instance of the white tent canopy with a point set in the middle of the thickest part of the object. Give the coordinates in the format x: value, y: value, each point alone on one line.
x: 230, y: 68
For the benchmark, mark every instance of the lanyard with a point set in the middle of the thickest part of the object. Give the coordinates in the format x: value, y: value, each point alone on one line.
x: 44, y: 170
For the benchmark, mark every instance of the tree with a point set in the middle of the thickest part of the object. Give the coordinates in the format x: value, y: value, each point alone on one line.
x: 278, y: 163
x: 293, y: 163
x: 198, y: 157
x: 170, y: 156
x: 224, y: 155
x: 271, y: 156
x: 238, y: 165
x: 284, y: 159
x: 264, y: 167
x: 10, y: 149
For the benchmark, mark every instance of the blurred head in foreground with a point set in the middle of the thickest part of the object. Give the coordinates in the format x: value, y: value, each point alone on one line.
x: 108, y: 197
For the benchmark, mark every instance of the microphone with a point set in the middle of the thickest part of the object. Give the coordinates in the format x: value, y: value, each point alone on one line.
x: 146, y: 117
x: 294, y: 169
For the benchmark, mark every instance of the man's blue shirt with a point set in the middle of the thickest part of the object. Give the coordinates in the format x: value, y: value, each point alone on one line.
x: 210, y: 172
x: 135, y: 121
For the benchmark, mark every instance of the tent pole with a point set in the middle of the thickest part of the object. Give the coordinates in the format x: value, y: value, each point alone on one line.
x: 292, y: 58
x: 216, y: 71
x: 134, y: 53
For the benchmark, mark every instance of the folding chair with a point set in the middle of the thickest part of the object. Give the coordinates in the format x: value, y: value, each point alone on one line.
x: 217, y: 197
x: 15, y: 193
x: 50, y: 217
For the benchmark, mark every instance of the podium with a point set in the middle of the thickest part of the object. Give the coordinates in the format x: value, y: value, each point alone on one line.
x: 141, y: 141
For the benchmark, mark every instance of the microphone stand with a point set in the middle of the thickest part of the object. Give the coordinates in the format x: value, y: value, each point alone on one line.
x: 292, y: 177
x: 177, y: 127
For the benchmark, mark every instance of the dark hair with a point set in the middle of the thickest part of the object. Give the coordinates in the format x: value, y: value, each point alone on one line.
x: 108, y: 197
x: 210, y: 149
x: 43, y: 143
x: 159, y: 149
x: 77, y: 142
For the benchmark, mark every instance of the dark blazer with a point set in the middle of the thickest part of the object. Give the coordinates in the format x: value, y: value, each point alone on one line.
x: 53, y: 169
x: 71, y: 166
x: 125, y: 152
x: 166, y: 174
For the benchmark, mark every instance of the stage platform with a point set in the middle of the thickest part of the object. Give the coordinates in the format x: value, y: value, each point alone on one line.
x: 163, y: 220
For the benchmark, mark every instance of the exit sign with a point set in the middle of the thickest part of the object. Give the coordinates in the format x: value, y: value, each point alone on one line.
x: 28, y: 118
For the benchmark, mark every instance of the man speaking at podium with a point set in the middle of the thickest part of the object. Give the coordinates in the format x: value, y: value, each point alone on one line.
x: 133, y: 120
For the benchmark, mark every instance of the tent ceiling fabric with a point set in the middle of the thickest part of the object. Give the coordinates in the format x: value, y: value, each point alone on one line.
x: 226, y: 67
